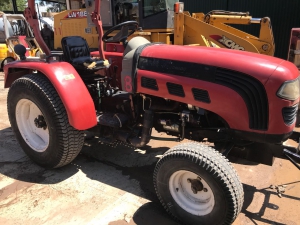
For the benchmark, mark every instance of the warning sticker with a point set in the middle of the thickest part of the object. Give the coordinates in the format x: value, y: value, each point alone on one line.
x: 69, y: 76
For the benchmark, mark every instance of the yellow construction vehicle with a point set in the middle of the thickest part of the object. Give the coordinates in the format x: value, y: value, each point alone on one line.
x: 73, y: 22
x: 212, y: 30
x: 15, y: 30
x: 5, y: 55
x: 294, y: 47
x: 166, y: 22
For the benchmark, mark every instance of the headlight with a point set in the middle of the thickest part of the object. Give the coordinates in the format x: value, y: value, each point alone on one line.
x: 289, y: 90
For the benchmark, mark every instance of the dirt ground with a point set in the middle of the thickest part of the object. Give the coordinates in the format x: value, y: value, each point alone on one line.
x: 113, y: 185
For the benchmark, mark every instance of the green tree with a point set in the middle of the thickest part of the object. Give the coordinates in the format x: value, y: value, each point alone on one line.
x: 22, y: 4
x: 3, y: 4
x: 6, y: 5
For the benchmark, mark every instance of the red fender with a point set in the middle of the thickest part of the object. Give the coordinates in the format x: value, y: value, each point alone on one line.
x: 68, y: 84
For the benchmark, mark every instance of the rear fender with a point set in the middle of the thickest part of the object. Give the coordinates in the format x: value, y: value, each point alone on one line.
x: 68, y: 84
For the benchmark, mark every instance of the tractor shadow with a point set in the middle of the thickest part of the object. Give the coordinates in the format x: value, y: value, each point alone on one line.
x: 250, y: 192
x: 15, y: 164
x: 117, y: 165
x: 137, y: 165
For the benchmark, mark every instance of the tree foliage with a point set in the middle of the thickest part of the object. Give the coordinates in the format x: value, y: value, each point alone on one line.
x: 6, y: 5
x: 3, y: 3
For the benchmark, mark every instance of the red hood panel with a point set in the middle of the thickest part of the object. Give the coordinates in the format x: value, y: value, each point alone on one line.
x: 231, y: 98
x: 259, y: 66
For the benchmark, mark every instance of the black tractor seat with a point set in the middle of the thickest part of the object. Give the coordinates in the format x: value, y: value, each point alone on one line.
x: 76, y: 51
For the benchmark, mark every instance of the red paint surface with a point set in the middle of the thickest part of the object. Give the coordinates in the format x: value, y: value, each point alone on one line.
x: 114, y: 47
x: 270, y: 71
x: 256, y: 65
x: 285, y: 71
x: 224, y: 101
x: 115, y: 60
x: 24, y: 43
x: 73, y: 92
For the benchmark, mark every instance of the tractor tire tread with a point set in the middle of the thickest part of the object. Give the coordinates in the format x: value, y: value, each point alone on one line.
x: 70, y: 139
x: 219, y: 166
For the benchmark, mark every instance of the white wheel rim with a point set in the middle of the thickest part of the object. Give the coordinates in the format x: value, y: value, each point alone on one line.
x: 36, y: 137
x: 201, y: 203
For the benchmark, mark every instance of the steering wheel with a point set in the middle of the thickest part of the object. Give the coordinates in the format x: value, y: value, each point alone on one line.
x: 126, y: 29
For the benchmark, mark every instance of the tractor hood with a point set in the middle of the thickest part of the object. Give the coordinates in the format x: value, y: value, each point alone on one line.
x: 196, y: 62
x: 230, y: 79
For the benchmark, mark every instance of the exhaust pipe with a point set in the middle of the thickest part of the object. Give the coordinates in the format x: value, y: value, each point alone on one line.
x: 139, y: 142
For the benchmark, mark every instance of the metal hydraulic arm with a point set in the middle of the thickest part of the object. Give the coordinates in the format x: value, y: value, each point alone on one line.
x: 264, y: 43
x: 93, y: 7
x: 211, y: 30
x: 96, y: 19
x: 31, y: 16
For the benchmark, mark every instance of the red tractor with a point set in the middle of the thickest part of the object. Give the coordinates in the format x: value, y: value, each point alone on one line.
x: 240, y: 101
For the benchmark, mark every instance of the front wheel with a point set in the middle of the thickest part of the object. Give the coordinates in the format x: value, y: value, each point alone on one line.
x: 197, y: 185
x: 40, y: 122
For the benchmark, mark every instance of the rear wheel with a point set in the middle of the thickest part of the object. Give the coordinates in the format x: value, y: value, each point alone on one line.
x: 197, y: 185
x: 40, y: 122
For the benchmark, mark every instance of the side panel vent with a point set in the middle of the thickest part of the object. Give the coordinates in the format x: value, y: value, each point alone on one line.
x: 249, y: 88
x: 253, y: 93
x: 175, y: 89
x: 149, y: 83
x: 201, y: 95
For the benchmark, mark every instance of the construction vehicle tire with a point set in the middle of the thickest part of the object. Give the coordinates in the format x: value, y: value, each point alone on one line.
x: 5, y: 61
